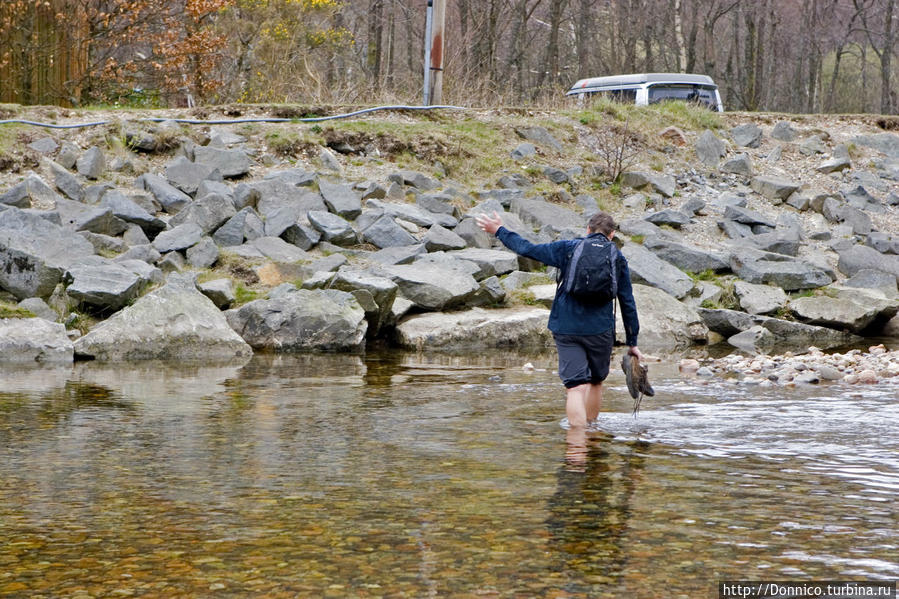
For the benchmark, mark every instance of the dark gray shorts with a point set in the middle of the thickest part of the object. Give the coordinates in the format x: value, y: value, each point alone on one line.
x: 584, y: 358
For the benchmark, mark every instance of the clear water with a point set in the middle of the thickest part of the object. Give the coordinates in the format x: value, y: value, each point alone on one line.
x: 401, y: 475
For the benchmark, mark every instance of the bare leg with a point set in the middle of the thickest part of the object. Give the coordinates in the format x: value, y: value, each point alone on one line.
x: 576, y: 406
x: 593, y: 401
x: 576, y: 448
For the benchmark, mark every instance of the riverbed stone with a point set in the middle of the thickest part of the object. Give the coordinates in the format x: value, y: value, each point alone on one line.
x: 302, y: 321
x: 788, y: 334
x: 34, y: 340
x: 174, y: 322
x: 754, y: 339
x: 476, y: 329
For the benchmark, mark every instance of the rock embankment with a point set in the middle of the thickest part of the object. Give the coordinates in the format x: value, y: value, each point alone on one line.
x: 746, y: 235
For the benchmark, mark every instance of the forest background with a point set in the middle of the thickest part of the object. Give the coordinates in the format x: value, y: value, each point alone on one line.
x: 802, y: 56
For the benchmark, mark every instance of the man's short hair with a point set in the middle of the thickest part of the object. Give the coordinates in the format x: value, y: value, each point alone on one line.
x: 602, y: 223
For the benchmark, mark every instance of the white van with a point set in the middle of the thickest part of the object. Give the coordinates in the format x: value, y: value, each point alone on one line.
x: 648, y: 88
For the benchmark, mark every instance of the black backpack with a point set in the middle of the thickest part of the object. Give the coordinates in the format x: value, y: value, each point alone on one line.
x: 592, y: 273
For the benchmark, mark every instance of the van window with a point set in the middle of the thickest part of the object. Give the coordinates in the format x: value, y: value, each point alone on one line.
x: 689, y: 93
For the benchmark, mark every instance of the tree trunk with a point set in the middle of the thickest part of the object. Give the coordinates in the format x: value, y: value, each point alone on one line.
x: 679, y: 38
x: 375, y: 35
x: 886, y: 56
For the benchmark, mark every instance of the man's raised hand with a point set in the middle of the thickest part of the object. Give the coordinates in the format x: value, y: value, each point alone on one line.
x: 489, y: 223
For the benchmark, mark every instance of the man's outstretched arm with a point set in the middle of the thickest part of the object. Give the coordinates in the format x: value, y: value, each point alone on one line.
x: 552, y: 254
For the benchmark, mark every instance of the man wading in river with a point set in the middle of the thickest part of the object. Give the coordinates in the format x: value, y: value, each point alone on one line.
x: 583, y: 329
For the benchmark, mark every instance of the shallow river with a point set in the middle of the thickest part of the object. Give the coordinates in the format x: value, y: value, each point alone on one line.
x: 401, y: 475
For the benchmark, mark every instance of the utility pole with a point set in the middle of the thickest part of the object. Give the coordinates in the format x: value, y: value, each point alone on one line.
x: 434, y: 30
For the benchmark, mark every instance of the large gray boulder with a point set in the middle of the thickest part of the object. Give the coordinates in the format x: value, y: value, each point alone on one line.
x: 386, y: 233
x: 490, y: 262
x: 341, y: 199
x: 230, y: 163
x: 32, y: 192
x: 332, y: 227
x: 101, y: 284
x: 364, y: 285
x: 788, y: 334
x: 432, y: 287
x: 30, y: 340
x: 748, y: 135
x: 91, y: 164
x: 246, y: 225
x: 415, y: 179
x: 95, y: 219
x: 784, y: 131
x: 686, y: 257
x: 860, y: 257
x: 665, y: 323
x: 439, y: 238
x: 709, y: 148
x: 888, y: 143
x: 412, y: 213
x: 178, y: 238
x: 749, y: 217
x: 169, y: 197
x: 774, y: 188
x: 302, y: 320
x: 129, y: 211
x: 187, y: 175
x: 65, y: 181
x: 647, y: 268
x: 209, y: 213
x: 769, y: 268
x: 837, y: 312
x: 539, y: 214
x: 34, y: 253
x: 541, y: 136
x: 759, y: 299
x: 174, y: 322
x: 663, y: 184
x: 475, y: 329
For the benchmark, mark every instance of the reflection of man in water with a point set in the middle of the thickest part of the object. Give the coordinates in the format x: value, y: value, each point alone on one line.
x: 591, y: 509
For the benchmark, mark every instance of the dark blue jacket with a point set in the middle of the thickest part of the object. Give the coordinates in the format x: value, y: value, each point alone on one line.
x: 569, y: 316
